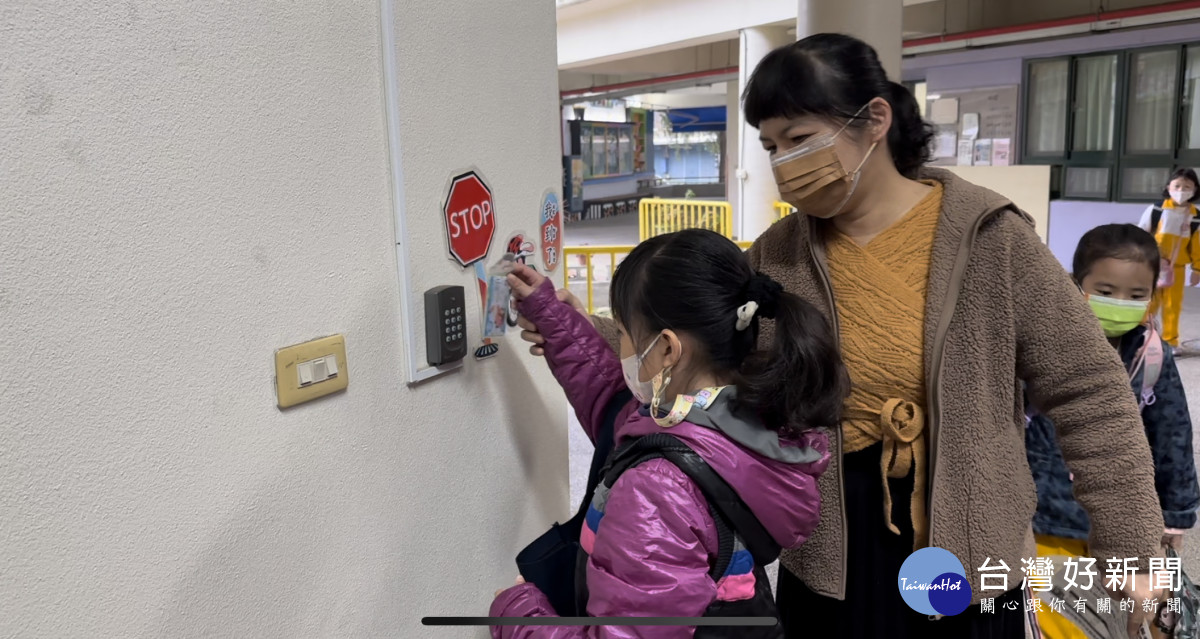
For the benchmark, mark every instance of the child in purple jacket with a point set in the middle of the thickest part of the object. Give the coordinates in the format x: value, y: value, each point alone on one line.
x: 689, y: 307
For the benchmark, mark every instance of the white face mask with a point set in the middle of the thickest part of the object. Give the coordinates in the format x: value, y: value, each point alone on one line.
x: 1181, y: 197
x: 632, y: 366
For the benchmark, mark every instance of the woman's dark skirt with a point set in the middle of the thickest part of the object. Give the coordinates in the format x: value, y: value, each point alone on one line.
x: 873, y: 608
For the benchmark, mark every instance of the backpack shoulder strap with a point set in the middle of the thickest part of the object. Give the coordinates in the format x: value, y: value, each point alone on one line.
x: 605, y: 441
x: 730, y: 513
x: 1152, y: 351
x: 1155, y: 217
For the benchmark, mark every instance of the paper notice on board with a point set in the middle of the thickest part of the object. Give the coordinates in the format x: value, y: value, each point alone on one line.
x: 1000, y: 152
x: 983, y: 152
x: 970, y: 125
x: 966, y: 151
x: 944, y: 111
x: 946, y: 145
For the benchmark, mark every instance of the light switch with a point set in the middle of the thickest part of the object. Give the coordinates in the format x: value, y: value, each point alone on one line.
x: 307, y: 371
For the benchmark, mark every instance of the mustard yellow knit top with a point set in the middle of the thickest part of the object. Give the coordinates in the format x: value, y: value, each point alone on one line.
x: 879, y: 290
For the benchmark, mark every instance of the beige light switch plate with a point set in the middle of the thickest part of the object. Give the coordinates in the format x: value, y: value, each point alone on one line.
x: 311, y: 370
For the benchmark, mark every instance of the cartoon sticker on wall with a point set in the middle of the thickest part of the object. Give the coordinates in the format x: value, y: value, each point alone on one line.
x: 521, y: 250
x: 551, y: 231
x: 494, y: 293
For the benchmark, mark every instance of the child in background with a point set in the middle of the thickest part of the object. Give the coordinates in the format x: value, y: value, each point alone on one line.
x: 689, y: 307
x: 1117, y: 266
x: 1176, y: 226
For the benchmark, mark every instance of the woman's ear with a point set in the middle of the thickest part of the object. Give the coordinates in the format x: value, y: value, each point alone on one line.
x: 880, y: 113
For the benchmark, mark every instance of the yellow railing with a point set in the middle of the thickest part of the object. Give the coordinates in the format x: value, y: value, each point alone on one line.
x: 581, y: 272
x: 656, y: 217
x: 580, y: 261
x: 784, y: 209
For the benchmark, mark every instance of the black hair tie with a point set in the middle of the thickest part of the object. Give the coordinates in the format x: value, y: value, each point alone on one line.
x: 765, y: 292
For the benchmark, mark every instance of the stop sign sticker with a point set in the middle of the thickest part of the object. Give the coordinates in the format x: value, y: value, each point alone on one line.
x: 470, y: 215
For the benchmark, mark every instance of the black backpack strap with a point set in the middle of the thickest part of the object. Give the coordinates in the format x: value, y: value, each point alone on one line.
x: 605, y: 442
x: 730, y: 513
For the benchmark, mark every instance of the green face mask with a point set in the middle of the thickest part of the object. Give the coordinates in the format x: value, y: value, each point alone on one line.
x: 1118, y: 317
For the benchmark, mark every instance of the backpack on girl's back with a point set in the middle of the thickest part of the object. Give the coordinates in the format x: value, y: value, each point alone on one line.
x: 717, y: 456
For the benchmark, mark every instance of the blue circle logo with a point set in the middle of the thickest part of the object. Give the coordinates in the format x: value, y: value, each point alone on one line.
x: 932, y: 582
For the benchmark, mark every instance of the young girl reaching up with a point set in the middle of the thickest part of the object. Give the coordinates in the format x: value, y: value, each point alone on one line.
x: 1117, y: 266
x: 689, y: 308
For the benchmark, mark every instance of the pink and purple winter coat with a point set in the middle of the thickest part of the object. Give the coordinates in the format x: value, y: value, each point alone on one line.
x: 650, y: 555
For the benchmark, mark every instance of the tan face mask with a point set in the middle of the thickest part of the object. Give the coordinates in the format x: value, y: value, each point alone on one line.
x: 814, y: 167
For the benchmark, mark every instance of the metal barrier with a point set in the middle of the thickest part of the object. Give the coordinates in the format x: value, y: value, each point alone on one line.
x: 587, y: 279
x: 784, y: 209
x: 582, y: 274
x: 657, y: 216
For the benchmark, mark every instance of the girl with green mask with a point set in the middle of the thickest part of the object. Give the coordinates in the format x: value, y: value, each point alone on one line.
x: 1116, y: 266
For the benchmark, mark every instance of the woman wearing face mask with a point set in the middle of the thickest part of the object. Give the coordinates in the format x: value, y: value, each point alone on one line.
x: 1176, y: 225
x: 943, y: 299
x: 1117, y: 266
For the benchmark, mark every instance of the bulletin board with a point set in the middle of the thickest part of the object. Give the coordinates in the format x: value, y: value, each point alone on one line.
x: 986, y: 118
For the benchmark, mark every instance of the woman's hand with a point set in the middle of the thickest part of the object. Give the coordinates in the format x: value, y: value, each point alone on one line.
x: 1173, y: 541
x: 1139, y: 588
x: 520, y: 580
x: 524, y: 281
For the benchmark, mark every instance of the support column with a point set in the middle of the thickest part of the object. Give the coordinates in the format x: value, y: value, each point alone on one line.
x: 732, y: 135
x: 753, y: 191
x: 876, y: 22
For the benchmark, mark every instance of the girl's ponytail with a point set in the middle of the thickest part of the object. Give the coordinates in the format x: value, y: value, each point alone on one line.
x: 799, y: 381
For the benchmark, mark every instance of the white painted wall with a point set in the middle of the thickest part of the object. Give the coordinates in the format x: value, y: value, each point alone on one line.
x: 600, y: 31
x: 1070, y: 219
x: 184, y: 188
x: 1027, y: 186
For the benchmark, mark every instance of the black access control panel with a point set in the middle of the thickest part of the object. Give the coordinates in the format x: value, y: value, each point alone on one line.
x: 445, y: 324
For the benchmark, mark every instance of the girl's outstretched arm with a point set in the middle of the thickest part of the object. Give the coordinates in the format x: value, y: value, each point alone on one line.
x: 580, y: 359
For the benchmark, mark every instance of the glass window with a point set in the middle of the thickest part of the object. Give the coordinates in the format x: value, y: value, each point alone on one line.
x: 1152, y: 99
x: 598, y: 168
x: 610, y: 152
x: 1143, y: 183
x: 1095, y: 103
x: 1048, y: 107
x: 1191, y: 99
x: 585, y: 150
x: 1086, y: 182
x: 625, y: 151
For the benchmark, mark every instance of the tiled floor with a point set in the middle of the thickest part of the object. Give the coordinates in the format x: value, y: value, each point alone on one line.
x: 624, y: 231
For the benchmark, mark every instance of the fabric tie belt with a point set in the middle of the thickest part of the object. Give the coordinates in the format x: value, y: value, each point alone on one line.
x: 900, y: 425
